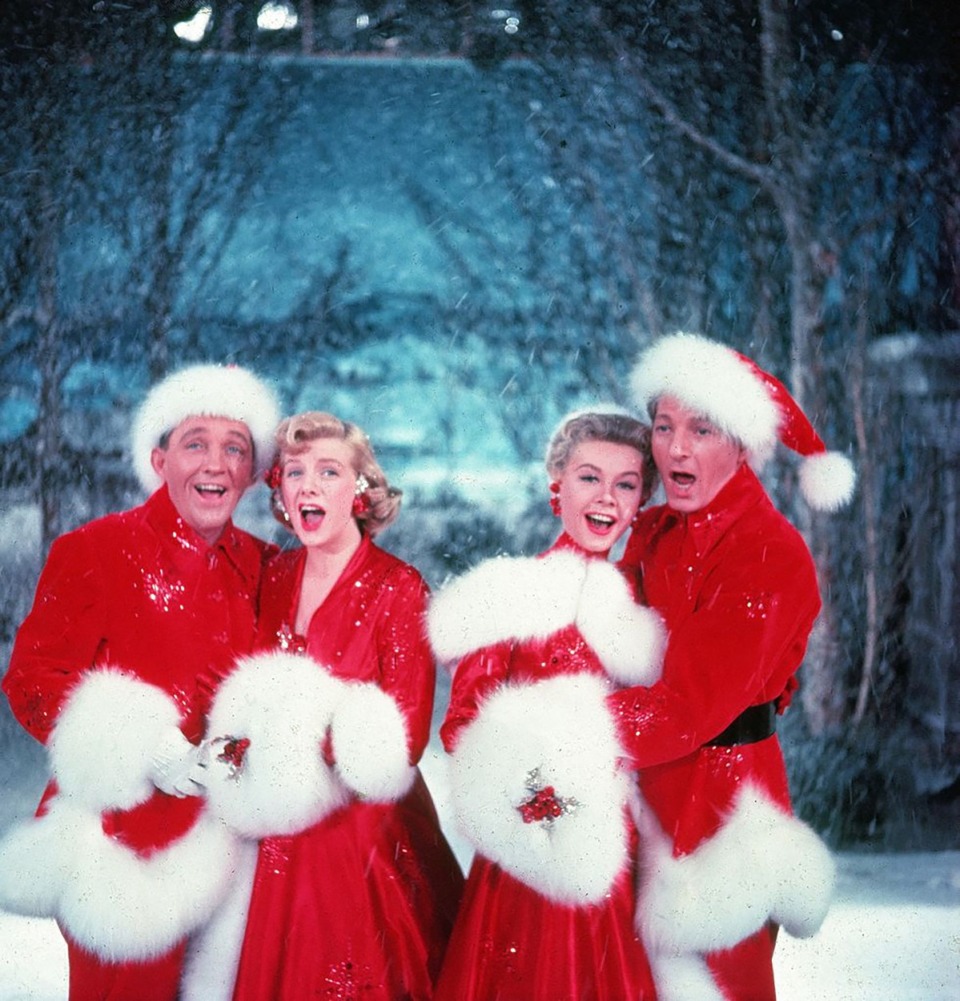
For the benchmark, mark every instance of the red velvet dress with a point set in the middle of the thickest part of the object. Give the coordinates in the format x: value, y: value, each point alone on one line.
x: 140, y: 593
x: 510, y: 942
x: 361, y: 904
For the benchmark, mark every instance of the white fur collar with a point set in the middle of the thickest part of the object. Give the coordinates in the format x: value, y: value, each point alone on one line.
x: 522, y: 598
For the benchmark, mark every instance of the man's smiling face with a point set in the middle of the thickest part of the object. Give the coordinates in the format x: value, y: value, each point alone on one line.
x: 207, y: 464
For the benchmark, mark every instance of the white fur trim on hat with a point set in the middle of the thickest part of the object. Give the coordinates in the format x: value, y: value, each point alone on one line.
x: 117, y: 904
x: 282, y: 703
x: 559, y: 728
x: 748, y: 403
x: 203, y: 391
x: 709, y: 377
x: 520, y: 598
x: 762, y: 865
x: 369, y: 735
x: 102, y: 747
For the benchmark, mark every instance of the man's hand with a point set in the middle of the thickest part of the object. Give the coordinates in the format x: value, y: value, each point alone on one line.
x: 177, y: 768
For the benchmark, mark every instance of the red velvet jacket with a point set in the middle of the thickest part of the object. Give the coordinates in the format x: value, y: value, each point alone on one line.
x: 736, y: 586
x: 141, y: 592
x: 724, y: 859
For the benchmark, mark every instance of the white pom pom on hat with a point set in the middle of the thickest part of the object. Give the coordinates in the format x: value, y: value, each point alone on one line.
x: 746, y: 402
x: 206, y: 390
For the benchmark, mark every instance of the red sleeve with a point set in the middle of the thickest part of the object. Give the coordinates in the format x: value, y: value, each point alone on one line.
x: 630, y: 564
x: 60, y: 637
x: 477, y: 675
x: 407, y: 668
x: 738, y: 647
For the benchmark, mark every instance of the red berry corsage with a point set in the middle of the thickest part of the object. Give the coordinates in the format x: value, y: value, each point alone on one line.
x: 544, y: 805
x: 233, y: 750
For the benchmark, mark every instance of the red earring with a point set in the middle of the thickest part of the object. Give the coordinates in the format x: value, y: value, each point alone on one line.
x: 555, y: 499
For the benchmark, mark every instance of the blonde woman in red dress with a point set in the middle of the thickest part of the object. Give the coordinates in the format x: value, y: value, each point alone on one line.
x: 536, y: 644
x: 355, y: 888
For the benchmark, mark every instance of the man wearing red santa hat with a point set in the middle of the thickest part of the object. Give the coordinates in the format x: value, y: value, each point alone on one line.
x: 725, y: 861
x: 137, y: 617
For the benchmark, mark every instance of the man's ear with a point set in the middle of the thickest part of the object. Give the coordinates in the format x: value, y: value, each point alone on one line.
x: 158, y: 459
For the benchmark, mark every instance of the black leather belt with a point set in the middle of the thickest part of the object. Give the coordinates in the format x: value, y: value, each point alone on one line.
x: 753, y: 724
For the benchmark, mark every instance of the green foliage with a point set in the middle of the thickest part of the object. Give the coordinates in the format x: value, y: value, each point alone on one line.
x: 850, y: 786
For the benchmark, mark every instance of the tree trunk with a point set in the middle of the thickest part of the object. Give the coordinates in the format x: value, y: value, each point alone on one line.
x: 822, y: 697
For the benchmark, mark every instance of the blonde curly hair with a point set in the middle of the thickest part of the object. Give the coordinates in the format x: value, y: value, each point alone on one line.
x: 294, y: 436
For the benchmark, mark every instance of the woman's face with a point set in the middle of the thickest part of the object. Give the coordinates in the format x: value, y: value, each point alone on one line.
x: 694, y: 457
x: 600, y: 491
x: 317, y: 488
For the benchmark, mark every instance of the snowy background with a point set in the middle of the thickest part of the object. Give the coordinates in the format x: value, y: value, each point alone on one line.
x: 453, y: 248
x: 453, y: 222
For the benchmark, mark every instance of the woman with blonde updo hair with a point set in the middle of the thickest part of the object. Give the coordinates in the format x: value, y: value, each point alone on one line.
x: 535, y: 645
x: 355, y: 888
x: 611, y: 426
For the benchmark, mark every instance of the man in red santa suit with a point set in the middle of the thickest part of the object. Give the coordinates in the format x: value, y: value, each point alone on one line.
x: 137, y: 616
x: 725, y: 862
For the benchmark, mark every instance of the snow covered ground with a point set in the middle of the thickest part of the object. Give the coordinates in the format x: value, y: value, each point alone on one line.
x: 893, y: 933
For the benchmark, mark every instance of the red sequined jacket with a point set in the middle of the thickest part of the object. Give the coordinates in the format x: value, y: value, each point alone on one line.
x: 135, y: 621
x: 142, y: 592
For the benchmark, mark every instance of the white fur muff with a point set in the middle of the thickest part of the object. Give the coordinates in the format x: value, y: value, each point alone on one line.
x: 282, y: 703
x: 560, y: 727
x: 285, y: 705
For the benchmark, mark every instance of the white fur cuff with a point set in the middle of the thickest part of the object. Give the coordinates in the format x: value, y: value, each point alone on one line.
x: 369, y: 735
x: 102, y: 747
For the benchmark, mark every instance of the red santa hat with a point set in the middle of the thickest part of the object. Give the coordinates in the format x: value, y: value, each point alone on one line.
x: 203, y: 391
x: 748, y: 403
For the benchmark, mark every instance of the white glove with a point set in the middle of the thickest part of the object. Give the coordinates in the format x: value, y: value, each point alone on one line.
x: 176, y: 768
